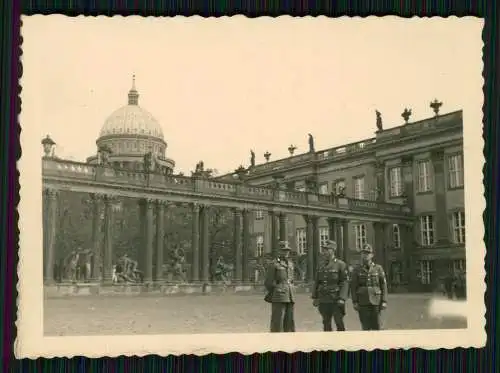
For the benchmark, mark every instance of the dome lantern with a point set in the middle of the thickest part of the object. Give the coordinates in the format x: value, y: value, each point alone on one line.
x: 133, y: 95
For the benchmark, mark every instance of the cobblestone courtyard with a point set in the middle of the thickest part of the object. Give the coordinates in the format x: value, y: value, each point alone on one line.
x: 223, y: 313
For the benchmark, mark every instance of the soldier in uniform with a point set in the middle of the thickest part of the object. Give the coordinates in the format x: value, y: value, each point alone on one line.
x: 369, y: 290
x: 281, y: 291
x: 330, y: 288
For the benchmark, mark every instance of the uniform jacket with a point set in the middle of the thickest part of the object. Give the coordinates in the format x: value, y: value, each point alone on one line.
x: 331, y: 282
x: 368, y: 285
x: 279, y: 282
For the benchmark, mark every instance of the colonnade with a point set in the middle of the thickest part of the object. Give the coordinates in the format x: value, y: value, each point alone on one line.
x: 152, y: 215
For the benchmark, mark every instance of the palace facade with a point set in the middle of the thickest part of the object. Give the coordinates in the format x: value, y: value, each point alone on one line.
x: 418, y: 164
x: 401, y: 190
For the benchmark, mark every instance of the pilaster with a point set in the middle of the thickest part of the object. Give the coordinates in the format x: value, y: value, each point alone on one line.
x: 237, y: 245
x: 195, y: 242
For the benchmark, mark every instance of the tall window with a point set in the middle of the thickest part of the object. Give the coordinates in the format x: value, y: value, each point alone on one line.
x: 301, y: 238
x: 425, y: 272
x: 396, y: 236
x: 458, y: 223
x: 455, y: 171
x: 323, y: 188
x: 259, y: 215
x: 323, y: 236
x: 424, y: 176
x: 339, y: 186
x: 396, y: 181
x: 359, y: 188
x: 259, y: 245
x: 458, y: 265
x: 427, y: 230
x: 360, y: 235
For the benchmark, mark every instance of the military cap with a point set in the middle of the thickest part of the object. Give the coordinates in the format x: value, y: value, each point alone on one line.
x: 283, y: 245
x: 330, y: 244
x: 367, y: 248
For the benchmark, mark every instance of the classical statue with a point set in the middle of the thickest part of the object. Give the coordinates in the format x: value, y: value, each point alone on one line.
x: 147, y: 161
x: 311, y: 143
x: 175, y: 266
x: 379, y: 120
x: 126, y: 270
x: 87, y: 255
x: 252, y: 158
x: 223, y: 271
x: 71, y: 265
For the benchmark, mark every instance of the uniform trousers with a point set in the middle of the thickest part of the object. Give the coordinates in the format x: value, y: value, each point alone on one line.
x: 282, y: 317
x: 329, y: 311
x: 369, y: 316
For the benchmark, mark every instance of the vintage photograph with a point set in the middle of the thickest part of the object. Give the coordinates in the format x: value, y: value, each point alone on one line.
x: 189, y: 177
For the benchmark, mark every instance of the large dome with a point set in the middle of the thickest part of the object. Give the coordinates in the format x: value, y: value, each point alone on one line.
x: 131, y: 120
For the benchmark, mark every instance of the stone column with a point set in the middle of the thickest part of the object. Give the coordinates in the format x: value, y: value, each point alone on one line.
x: 246, y: 246
x: 408, y: 181
x: 274, y: 231
x: 310, y: 248
x: 343, y: 240
x: 380, y: 175
x: 237, y: 245
x: 108, y: 240
x: 160, y: 237
x: 51, y: 195
x: 315, y: 242
x: 441, y: 221
x: 283, y: 221
x: 205, y: 245
x: 332, y: 232
x: 195, y: 243
x: 96, y: 234
x: 380, y: 246
x: 148, y: 257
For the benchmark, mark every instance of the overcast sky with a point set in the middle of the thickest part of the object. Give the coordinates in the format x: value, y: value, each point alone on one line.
x: 220, y: 87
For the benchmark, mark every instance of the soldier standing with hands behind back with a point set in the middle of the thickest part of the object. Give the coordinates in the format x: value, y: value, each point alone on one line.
x: 330, y: 289
x: 281, y: 291
x: 369, y: 290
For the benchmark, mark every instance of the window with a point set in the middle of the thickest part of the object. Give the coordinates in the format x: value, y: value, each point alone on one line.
x: 424, y: 176
x: 360, y: 234
x: 323, y: 236
x: 396, y: 273
x: 458, y: 266
x: 339, y: 187
x: 300, y: 235
x: 259, y: 246
x: 301, y: 188
x: 396, y: 182
x: 425, y: 272
x: 396, y: 236
x: 427, y: 230
x: 455, y: 171
x: 359, y: 188
x: 259, y: 215
x: 458, y: 224
x: 323, y: 188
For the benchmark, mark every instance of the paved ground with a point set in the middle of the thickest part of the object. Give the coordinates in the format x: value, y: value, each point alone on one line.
x: 233, y: 313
